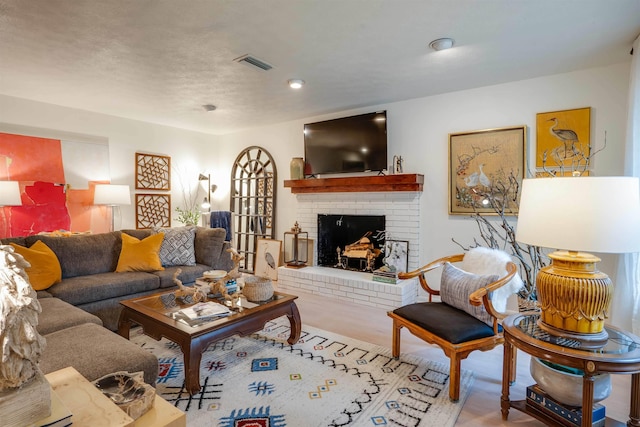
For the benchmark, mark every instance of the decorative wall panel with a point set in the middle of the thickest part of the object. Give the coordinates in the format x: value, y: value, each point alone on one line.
x: 153, y: 172
x: 153, y: 210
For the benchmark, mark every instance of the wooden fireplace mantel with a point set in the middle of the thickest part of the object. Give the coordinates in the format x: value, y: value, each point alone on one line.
x: 362, y: 184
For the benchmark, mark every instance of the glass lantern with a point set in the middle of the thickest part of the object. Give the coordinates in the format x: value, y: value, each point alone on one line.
x: 296, y: 247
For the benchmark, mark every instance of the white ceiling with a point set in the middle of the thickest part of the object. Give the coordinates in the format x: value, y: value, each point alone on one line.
x: 161, y: 60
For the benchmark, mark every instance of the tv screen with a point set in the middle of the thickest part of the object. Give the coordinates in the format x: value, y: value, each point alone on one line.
x: 348, y: 144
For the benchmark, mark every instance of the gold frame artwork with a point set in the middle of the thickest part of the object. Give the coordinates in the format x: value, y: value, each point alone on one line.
x: 153, y: 172
x: 262, y: 266
x: 153, y: 210
x: 483, y: 163
x: 564, y: 138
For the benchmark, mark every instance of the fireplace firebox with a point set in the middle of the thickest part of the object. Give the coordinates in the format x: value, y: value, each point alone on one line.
x: 351, y: 242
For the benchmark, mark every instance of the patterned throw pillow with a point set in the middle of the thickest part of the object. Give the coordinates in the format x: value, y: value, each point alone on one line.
x: 455, y: 287
x: 178, y: 246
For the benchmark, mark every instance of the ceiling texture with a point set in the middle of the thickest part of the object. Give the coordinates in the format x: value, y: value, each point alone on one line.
x: 160, y: 61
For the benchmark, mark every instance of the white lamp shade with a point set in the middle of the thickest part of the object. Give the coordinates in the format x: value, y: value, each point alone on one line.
x: 10, y: 193
x: 111, y: 194
x: 586, y: 214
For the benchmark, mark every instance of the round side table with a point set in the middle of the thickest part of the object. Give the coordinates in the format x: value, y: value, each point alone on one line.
x: 620, y: 355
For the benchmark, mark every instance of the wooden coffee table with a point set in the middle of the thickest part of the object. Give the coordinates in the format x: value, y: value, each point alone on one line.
x: 150, y: 313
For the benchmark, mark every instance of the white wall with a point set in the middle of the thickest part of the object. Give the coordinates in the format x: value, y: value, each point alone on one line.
x: 189, y: 151
x: 418, y: 131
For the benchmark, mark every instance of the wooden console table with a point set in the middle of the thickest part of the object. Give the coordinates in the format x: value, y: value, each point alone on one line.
x: 90, y: 408
x: 620, y: 355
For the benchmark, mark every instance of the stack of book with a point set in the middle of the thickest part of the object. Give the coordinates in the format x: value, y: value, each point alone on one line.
x: 202, y: 312
x: 567, y: 415
x: 385, y: 276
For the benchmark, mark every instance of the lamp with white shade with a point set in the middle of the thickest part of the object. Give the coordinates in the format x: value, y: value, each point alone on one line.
x: 9, y: 196
x: 573, y: 215
x: 112, y: 195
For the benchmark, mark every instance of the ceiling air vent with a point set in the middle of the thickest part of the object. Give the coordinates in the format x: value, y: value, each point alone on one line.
x: 252, y: 61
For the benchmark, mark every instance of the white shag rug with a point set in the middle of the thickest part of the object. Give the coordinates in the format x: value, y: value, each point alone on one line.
x: 325, y: 379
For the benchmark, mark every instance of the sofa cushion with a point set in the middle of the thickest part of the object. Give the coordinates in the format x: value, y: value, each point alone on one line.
x: 94, y: 352
x: 80, y: 255
x: 188, y: 275
x: 98, y: 287
x: 57, y: 314
x: 177, y: 246
x: 45, y: 268
x: 140, y: 255
x: 210, y: 248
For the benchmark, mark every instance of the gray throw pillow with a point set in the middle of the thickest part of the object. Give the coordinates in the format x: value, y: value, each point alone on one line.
x: 455, y: 287
x: 178, y: 246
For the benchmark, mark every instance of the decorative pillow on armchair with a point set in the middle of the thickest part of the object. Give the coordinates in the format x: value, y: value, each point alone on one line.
x: 140, y: 255
x: 455, y: 287
x: 177, y: 247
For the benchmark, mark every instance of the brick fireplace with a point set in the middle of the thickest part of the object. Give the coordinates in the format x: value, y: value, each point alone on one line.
x: 401, y: 210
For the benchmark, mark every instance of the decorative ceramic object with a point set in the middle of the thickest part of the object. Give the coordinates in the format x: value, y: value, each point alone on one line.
x: 566, y: 387
x: 128, y: 391
x: 297, y: 168
x: 257, y: 289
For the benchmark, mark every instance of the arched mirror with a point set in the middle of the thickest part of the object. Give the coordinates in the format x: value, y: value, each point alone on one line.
x: 253, y: 196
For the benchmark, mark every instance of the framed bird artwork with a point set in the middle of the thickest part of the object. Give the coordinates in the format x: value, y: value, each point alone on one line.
x: 486, y: 168
x: 268, y: 258
x: 563, y: 140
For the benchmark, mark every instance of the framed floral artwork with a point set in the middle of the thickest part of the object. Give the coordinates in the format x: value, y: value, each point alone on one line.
x: 486, y: 168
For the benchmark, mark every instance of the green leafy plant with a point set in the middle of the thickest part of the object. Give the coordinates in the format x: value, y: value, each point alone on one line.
x: 188, y: 217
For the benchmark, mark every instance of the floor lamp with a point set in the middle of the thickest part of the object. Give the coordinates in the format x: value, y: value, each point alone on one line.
x: 112, y: 195
x: 9, y: 196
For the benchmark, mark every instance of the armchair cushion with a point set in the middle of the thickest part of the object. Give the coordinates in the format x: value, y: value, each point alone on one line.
x: 445, y: 321
x: 481, y: 260
x: 455, y: 287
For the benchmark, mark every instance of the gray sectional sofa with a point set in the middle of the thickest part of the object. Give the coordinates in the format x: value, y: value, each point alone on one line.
x: 77, y: 311
x: 88, y: 263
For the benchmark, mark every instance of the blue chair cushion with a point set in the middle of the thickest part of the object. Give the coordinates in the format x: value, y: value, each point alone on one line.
x: 445, y: 321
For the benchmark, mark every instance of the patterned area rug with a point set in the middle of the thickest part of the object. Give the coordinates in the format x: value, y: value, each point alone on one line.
x: 323, y: 380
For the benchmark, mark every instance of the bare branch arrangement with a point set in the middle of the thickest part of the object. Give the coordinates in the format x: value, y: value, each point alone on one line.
x: 501, y: 234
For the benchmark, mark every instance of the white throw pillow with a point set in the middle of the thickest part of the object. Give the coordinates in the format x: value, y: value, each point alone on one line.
x: 483, y: 260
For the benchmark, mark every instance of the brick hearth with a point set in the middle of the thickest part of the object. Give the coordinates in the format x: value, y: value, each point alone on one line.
x: 403, y: 217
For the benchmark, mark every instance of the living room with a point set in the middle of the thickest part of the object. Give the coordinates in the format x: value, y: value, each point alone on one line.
x: 418, y: 130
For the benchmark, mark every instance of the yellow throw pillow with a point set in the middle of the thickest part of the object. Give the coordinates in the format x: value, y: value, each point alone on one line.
x: 140, y: 255
x: 45, y: 268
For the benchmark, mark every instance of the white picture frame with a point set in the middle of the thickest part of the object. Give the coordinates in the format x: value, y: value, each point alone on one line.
x: 268, y: 254
x: 396, y: 254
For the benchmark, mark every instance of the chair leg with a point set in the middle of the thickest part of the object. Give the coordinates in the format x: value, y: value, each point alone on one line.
x: 454, y: 378
x: 395, y: 344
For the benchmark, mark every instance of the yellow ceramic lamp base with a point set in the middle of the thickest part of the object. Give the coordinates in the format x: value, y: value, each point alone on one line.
x: 574, y: 296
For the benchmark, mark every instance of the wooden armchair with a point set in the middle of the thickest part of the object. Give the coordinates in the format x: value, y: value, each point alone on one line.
x: 465, y: 320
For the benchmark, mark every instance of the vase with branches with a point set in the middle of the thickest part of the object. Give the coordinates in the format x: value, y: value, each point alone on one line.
x: 189, y: 213
x: 502, y: 197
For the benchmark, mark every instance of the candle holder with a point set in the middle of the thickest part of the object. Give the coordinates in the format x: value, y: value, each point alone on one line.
x: 295, y: 243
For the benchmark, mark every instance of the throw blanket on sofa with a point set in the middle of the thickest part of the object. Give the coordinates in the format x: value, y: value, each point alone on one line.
x: 221, y: 219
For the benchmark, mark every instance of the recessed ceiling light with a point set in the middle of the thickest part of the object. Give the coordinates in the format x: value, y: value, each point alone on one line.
x: 441, y: 44
x: 209, y: 108
x: 296, y: 83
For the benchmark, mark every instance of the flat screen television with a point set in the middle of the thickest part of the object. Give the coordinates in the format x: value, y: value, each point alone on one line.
x: 349, y: 144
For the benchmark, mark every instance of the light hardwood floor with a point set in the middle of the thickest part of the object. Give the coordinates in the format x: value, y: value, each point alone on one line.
x: 482, y: 406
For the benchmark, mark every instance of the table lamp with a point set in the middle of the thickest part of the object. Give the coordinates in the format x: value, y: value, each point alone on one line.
x: 572, y: 215
x: 9, y: 196
x: 112, y: 195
